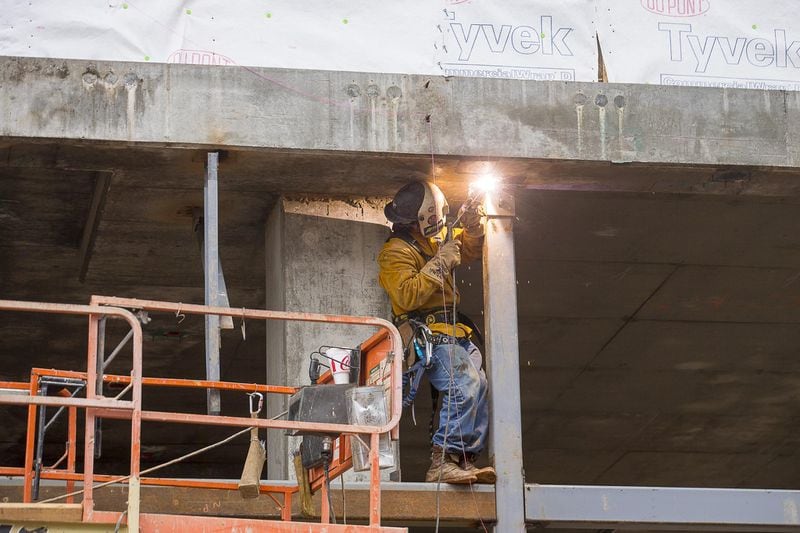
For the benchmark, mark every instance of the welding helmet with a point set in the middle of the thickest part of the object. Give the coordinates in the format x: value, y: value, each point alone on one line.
x: 421, y: 203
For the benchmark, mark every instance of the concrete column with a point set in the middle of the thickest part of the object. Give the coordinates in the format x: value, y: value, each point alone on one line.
x: 320, y: 264
x: 502, y: 356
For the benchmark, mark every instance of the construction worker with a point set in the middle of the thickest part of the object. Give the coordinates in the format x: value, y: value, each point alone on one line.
x: 416, y: 265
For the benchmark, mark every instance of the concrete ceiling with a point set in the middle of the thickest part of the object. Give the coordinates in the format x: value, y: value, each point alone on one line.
x: 658, y: 307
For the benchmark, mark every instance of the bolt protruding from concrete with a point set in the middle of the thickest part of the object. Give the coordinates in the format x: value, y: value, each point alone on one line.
x: 62, y: 71
x: 353, y: 90
x: 110, y: 79
x: 131, y: 80
x: 90, y: 76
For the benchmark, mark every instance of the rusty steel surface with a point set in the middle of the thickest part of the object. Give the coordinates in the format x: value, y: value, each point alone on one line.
x: 107, y: 403
x: 171, y: 382
x: 16, y: 385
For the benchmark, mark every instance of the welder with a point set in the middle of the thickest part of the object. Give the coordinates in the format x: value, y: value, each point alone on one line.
x: 416, y: 270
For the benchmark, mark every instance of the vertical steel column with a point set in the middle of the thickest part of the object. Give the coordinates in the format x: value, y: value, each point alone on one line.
x: 72, y: 436
x: 40, y: 432
x: 89, y: 430
x: 211, y: 257
x: 101, y: 357
x: 502, y: 356
x: 136, y: 431
x: 27, y: 490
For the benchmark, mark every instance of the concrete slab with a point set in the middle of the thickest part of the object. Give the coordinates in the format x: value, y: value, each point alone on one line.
x: 563, y: 343
x: 313, y: 110
x: 648, y: 228
x: 547, y: 465
x: 568, y: 289
x: 684, y: 469
x: 703, y: 346
x: 730, y: 294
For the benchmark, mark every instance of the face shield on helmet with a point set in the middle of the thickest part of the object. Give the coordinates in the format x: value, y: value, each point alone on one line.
x: 419, y: 203
x: 433, y: 211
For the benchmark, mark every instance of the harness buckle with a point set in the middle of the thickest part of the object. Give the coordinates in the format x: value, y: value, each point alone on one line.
x: 423, y: 344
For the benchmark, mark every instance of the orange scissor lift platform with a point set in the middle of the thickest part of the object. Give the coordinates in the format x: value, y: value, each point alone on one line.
x: 381, y: 351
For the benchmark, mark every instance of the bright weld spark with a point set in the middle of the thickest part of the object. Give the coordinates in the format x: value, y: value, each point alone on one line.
x: 486, y: 183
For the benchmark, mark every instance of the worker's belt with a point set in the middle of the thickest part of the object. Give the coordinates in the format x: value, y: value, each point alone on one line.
x: 441, y: 338
x: 440, y: 324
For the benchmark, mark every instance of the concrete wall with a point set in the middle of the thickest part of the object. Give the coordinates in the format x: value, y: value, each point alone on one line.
x: 392, y: 113
x: 323, y: 265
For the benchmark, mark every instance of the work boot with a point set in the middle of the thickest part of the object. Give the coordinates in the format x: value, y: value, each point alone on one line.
x: 444, y: 467
x: 483, y: 475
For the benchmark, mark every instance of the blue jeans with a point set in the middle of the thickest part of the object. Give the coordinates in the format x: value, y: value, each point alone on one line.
x: 464, y: 417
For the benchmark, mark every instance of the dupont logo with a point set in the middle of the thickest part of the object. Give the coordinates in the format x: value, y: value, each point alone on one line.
x: 677, y: 8
x: 199, y: 57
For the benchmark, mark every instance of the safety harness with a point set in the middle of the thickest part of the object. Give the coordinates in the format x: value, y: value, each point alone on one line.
x: 423, y: 339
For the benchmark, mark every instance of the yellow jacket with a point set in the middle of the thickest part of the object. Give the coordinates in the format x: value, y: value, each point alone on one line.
x: 408, y: 289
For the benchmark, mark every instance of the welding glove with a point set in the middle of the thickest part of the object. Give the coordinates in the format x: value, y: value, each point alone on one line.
x: 472, y: 219
x: 446, y: 259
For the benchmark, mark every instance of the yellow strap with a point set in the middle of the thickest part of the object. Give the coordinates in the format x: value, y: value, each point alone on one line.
x: 460, y: 331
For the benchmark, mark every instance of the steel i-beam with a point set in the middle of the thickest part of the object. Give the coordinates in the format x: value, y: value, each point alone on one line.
x: 502, y: 356
x: 211, y: 260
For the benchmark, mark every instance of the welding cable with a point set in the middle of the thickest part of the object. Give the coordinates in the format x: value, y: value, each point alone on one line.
x: 119, y: 521
x: 326, y: 470
x: 162, y: 465
x: 451, y: 382
x: 450, y: 385
x: 344, y: 502
x: 460, y: 431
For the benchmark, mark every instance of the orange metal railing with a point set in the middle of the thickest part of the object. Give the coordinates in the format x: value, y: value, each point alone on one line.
x: 98, y: 406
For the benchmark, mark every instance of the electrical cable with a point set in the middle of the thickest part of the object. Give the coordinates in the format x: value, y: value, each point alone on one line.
x: 344, y: 502
x: 451, y: 384
x: 461, y: 434
x: 326, y: 470
x: 119, y: 521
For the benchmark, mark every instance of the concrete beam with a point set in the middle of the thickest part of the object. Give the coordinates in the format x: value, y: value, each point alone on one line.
x: 188, y: 105
x: 307, y: 256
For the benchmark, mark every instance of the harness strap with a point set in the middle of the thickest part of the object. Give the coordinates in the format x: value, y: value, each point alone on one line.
x: 412, y: 379
x: 434, y: 407
x: 411, y: 241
